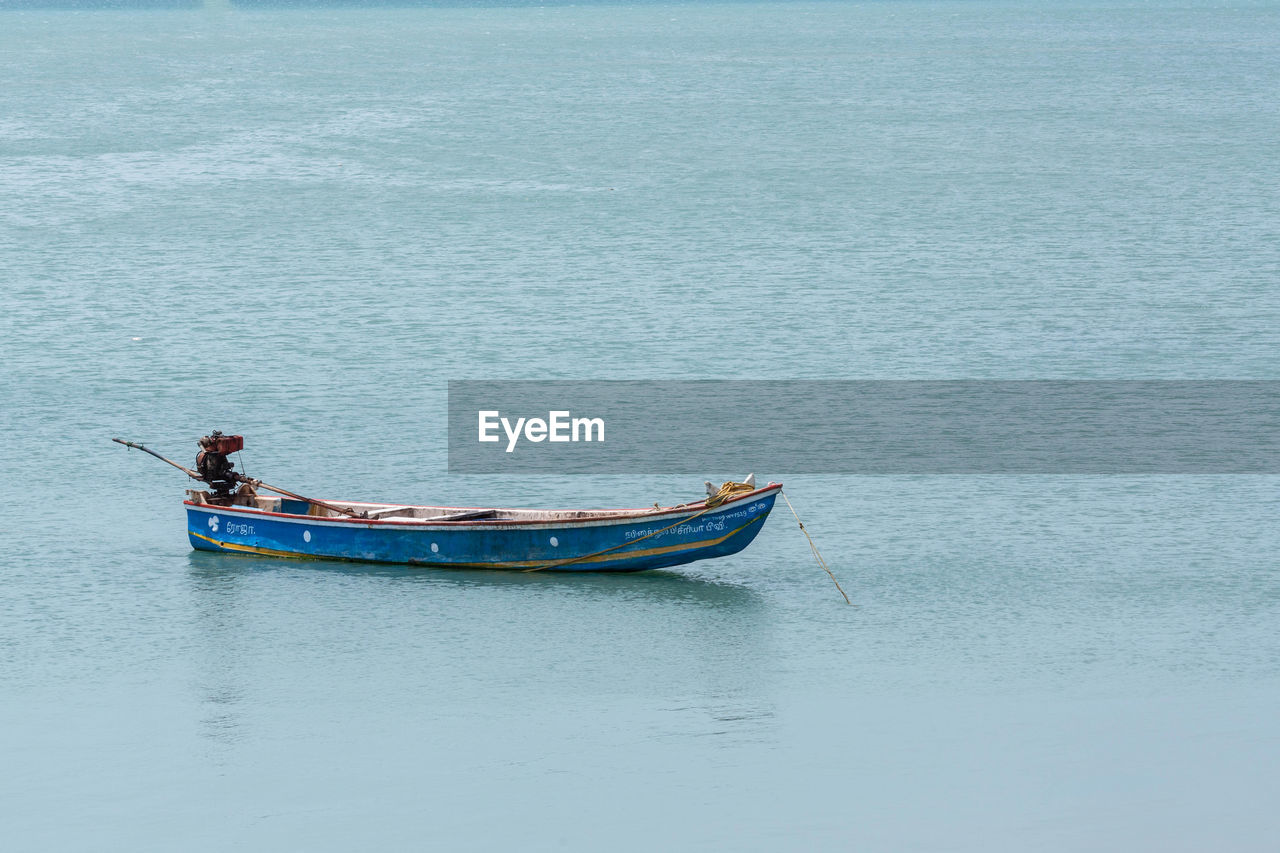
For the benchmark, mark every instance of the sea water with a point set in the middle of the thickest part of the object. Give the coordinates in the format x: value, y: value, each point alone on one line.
x: 298, y: 224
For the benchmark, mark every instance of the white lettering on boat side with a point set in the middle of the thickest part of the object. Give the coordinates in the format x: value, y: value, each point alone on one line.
x: 717, y: 524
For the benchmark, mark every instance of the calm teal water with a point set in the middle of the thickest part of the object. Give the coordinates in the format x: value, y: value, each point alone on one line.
x: 298, y: 225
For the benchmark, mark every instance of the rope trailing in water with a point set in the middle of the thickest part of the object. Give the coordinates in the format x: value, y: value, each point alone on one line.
x: 821, y: 562
x: 725, y: 492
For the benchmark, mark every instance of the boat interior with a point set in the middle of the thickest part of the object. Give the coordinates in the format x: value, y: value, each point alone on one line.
x: 410, y: 514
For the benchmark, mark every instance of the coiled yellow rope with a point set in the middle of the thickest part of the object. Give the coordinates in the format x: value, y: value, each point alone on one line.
x: 727, y: 491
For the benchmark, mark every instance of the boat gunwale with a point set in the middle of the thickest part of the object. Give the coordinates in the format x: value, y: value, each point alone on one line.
x: 631, y: 514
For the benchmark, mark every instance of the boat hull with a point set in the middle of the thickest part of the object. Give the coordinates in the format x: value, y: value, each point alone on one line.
x: 635, y: 542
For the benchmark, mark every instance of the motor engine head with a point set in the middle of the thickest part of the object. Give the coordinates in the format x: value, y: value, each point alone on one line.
x: 219, y: 443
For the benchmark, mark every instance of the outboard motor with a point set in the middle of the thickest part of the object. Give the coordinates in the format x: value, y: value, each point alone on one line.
x: 213, y: 465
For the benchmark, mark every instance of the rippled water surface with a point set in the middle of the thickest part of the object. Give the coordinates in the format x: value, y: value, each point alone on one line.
x: 299, y: 224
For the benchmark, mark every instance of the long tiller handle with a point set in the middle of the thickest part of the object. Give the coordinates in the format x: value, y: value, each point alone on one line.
x: 241, y: 478
x: 192, y: 474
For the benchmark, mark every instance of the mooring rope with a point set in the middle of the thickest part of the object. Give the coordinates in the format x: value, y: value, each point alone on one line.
x: 817, y: 556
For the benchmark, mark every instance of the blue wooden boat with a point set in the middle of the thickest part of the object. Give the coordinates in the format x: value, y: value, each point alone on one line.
x: 614, y: 540
x: 230, y: 516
